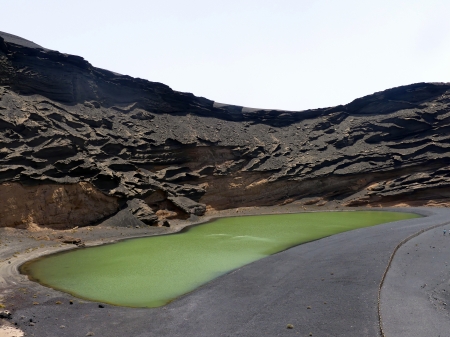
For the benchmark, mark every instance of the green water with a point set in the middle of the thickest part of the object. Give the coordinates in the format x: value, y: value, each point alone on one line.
x: 151, y: 271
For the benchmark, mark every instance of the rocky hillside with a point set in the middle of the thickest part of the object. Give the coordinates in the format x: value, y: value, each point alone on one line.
x: 79, y: 144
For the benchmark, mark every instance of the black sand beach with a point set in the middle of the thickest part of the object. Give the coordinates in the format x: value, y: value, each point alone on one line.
x: 327, y: 287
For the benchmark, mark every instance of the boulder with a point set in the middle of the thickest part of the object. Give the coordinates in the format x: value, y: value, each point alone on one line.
x: 142, y: 211
x: 189, y: 206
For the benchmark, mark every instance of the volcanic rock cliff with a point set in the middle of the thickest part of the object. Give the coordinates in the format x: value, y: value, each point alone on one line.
x: 79, y: 144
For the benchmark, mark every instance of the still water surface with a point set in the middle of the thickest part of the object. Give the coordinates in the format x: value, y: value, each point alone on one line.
x: 152, y: 271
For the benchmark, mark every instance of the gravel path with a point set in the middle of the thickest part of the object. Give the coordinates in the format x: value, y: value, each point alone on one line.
x: 327, y: 287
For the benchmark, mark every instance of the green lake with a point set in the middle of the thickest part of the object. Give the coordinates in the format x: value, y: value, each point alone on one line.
x: 152, y: 271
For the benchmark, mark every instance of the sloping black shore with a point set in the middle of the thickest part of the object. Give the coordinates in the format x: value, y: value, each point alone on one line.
x: 327, y: 287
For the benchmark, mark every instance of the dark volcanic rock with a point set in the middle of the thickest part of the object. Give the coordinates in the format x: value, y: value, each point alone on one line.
x: 188, y: 206
x: 71, y: 240
x: 142, y: 211
x: 64, y: 121
x: 123, y: 218
x: 5, y: 314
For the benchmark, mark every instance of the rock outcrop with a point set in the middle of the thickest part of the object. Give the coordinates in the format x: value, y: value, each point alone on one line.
x: 66, y: 123
x: 53, y: 205
x: 142, y: 211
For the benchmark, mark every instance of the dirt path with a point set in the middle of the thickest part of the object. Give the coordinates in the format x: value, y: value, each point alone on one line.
x: 415, y: 297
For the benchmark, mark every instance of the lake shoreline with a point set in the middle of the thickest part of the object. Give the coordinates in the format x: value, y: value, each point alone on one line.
x: 31, y: 295
x: 153, y: 271
x: 18, y: 246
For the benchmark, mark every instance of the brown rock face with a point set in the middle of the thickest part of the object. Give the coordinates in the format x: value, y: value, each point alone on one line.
x: 64, y: 122
x: 53, y: 205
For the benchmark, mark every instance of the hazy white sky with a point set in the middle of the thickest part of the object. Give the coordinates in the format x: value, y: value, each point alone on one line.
x: 281, y: 54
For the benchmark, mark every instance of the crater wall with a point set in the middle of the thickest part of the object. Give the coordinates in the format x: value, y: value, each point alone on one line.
x: 68, y: 126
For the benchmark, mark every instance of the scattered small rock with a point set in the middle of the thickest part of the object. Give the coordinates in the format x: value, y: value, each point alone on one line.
x: 70, y: 240
x: 90, y: 334
x: 101, y: 306
x: 289, y: 326
x: 5, y: 314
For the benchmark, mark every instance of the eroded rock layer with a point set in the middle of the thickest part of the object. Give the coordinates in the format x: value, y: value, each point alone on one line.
x: 53, y: 205
x: 161, y: 153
